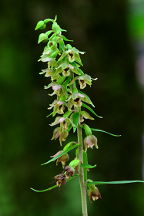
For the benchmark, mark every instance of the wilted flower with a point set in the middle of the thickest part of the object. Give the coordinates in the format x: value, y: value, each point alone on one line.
x: 69, y: 171
x: 60, y: 179
x: 63, y: 159
x: 90, y: 141
x: 94, y: 193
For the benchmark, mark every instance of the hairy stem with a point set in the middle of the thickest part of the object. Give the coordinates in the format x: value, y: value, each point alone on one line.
x: 81, y: 174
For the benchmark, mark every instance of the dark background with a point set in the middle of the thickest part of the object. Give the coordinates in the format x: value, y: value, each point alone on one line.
x: 101, y: 28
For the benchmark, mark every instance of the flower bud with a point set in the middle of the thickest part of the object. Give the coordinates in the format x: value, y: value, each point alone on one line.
x: 69, y: 171
x: 60, y: 179
x: 90, y: 141
x: 94, y: 193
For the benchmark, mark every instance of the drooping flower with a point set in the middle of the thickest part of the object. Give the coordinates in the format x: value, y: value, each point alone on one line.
x: 60, y: 134
x: 63, y: 159
x: 69, y: 171
x: 90, y: 141
x: 60, y: 179
x: 94, y: 193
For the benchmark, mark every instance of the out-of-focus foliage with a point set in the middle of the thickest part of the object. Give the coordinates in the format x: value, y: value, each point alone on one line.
x: 100, y: 29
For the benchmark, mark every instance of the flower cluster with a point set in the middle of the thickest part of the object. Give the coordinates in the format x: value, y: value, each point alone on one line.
x: 70, y: 106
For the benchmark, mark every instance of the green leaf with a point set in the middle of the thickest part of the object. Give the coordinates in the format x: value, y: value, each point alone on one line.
x: 40, y: 25
x: 66, y: 39
x: 87, y: 99
x: 88, y: 166
x: 75, y: 120
x: 42, y: 37
x: 91, y: 110
x: 63, y: 153
x: 67, y: 114
x: 114, y: 182
x: 68, y: 145
x: 48, y: 189
x: 87, y: 130
x: 53, y: 187
x: 99, y: 130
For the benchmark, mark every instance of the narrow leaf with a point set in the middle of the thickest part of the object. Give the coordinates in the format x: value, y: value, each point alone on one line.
x: 99, y: 130
x: 91, y: 110
x: 115, y: 182
x: 63, y: 153
x: 53, y: 187
x: 48, y: 189
x: 66, y: 39
x: 88, y: 166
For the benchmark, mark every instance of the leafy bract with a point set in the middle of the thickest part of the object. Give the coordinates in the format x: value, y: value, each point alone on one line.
x: 70, y: 148
x: 91, y: 110
x: 114, y: 182
x: 99, y: 130
x: 48, y: 189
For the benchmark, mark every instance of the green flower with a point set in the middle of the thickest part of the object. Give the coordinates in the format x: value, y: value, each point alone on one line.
x: 58, y: 107
x: 83, y: 80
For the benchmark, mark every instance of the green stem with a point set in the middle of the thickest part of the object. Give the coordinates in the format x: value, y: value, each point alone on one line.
x: 81, y: 174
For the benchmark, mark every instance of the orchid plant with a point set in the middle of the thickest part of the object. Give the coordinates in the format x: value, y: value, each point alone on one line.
x: 70, y: 109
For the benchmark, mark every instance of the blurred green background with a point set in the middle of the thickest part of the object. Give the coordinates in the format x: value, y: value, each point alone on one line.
x: 109, y: 32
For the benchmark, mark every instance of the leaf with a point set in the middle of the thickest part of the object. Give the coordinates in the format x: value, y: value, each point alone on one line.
x: 68, y: 145
x: 99, y: 130
x: 63, y: 153
x: 87, y: 99
x: 87, y: 130
x: 88, y: 166
x: 66, y: 115
x: 114, y: 182
x: 53, y: 187
x: 66, y: 39
x: 75, y: 120
x: 86, y: 115
x: 42, y: 37
x: 48, y: 189
x: 91, y: 110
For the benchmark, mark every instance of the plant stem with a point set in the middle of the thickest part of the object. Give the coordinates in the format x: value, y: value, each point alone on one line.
x: 81, y: 174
